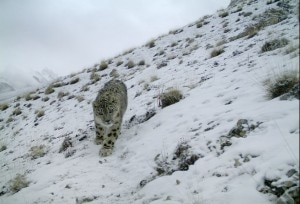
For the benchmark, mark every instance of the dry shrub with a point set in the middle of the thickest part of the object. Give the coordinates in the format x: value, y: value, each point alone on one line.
x: 280, y: 83
x: 170, y: 97
x: 274, y: 44
x: 17, y: 183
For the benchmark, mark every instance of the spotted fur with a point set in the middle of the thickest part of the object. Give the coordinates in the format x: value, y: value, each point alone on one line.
x: 109, y: 108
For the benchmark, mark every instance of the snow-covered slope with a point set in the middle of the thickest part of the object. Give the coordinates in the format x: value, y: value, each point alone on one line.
x: 224, y: 142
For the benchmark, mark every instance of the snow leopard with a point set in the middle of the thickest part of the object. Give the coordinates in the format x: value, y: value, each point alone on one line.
x: 109, y: 108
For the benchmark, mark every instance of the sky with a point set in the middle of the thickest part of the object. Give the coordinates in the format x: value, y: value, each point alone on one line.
x: 67, y: 36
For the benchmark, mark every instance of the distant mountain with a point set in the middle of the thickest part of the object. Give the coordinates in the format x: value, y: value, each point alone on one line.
x: 5, y: 87
x: 15, y: 81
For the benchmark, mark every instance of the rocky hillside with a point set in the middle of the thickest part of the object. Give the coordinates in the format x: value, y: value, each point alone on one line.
x: 227, y: 133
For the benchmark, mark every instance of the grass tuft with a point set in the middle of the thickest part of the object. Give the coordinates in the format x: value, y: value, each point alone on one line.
x: 170, y: 97
x: 280, y: 83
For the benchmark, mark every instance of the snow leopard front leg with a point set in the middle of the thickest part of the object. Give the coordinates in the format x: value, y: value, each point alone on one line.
x: 100, y: 132
x: 110, y: 139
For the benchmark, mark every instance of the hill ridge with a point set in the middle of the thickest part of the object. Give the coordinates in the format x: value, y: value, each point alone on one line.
x: 223, y: 142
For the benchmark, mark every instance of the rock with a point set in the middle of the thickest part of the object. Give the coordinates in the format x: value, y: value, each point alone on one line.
x: 134, y: 120
x: 291, y: 196
x: 66, y: 144
x: 242, y: 128
x: 290, y: 172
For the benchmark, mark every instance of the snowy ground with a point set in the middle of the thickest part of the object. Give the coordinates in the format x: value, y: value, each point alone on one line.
x: 218, y: 92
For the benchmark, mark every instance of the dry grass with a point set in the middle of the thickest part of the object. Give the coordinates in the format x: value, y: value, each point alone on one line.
x: 170, y: 97
x: 151, y: 44
x: 223, y: 14
x: 74, y: 80
x: 17, y: 111
x: 39, y: 113
x: 274, y: 44
x: 3, y: 106
x: 280, y: 83
x: 216, y: 51
x: 153, y: 78
x: 17, y: 183
x: 114, y: 73
x: 49, y: 90
x: 130, y: 64
x: 79, y: 98
x: 103, y: 65
x: 37, y: 151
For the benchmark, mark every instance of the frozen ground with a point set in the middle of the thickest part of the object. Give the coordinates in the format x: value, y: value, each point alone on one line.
x: 146, y: 165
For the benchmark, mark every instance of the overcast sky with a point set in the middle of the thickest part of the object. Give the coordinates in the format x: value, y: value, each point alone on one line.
x: 69, y: 35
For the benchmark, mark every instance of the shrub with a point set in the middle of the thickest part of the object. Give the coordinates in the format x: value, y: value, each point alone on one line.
x: 161, y: 52
x: 28, y: 97
x: 3, y: 106
x: 217, y: 51
x: 94, y: 77
x: 74, y: 81
x: 58, y: 84
x: 269, y: 17
x: 39, y: 113
x: 163, y: 63
x: 45, y: 99
x: 237, y: 10
x: 223, y: 14
x: 147, y: 86
x: 37, y: 151
x: 49, y: 90
x: 281, y: 83
x: 199, y: 25
x: 153, y: 78
x: 2, y: 147
x: 17, y: 111
x: 35, y: 97
x: 251, y: 31
x: 128, y: 51
x: 274, y: 44
x: 79, y: 98
x: 10, y: 119
x: 141, y: 62
x: 62, y: 94
x: 119, y: 63
x: 170, y: 97
x: 109, y: 61
x: 114, y: 73
x: 174, y: 44
x: 85, y: 87
x: 221, y: 42
x: 130, y: 64
x: 245, y: 14
x: 151, y: 44
x: 226, y: 30
x: 103, y: 65
x: 17, y: 183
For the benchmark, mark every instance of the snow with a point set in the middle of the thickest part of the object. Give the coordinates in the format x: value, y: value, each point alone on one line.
x: 217, y: 93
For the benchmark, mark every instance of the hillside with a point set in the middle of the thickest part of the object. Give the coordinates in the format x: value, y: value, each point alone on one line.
x: 225, y: 141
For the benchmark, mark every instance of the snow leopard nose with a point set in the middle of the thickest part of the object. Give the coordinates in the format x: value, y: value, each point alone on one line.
x: 107, y: 121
